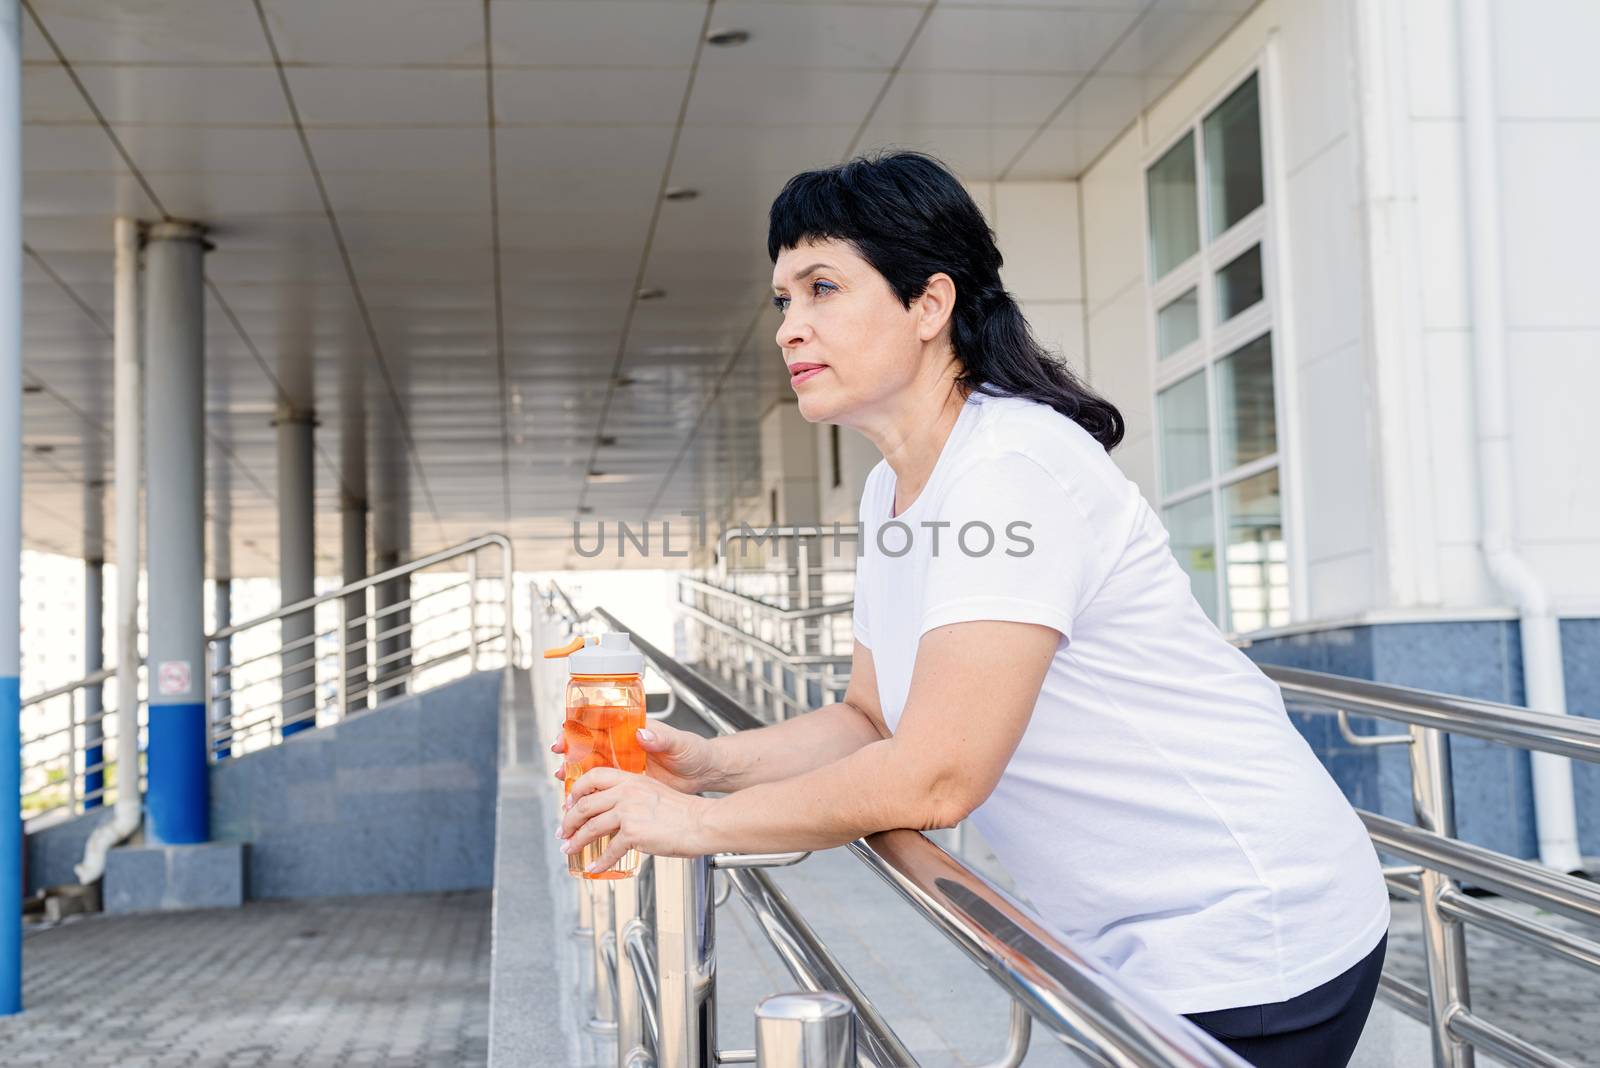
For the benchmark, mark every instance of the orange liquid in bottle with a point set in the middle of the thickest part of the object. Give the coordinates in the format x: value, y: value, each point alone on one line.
x: 602, y: 736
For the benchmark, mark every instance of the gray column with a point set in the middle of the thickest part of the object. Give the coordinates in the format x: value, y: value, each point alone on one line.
x: 296, y: 567
x: 177, y: 794
x: 353, y: 536
x: 94, y: 639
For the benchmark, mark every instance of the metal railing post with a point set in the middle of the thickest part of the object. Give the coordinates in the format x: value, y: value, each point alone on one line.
x: 72, y: 754
x: 686, y: 962
x: 207, y: 686
x: 604, y: 1020
x: 630, y: 1008
x: 343, y: 659
x: 1444, y: 940
x: 472, y: 614
x: 585, y: 927
x: 805, y: 1031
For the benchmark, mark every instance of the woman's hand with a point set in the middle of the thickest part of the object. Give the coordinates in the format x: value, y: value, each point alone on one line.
x: 641, y: 812
x: 676, y: 758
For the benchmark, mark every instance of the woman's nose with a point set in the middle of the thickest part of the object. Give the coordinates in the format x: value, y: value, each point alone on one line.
x: 792, y: 331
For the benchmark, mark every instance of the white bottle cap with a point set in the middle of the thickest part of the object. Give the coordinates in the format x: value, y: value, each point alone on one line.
x: 615, y: 655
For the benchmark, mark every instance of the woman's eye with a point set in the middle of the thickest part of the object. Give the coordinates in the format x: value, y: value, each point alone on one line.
x: 827, y: 287
x: 781, y: 303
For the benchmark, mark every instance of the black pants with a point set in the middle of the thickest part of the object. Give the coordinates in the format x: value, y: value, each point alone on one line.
x: 1317, y: 1029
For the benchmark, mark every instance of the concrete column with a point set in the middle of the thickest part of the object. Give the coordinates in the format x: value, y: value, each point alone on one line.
x: 177, y: 796
x: 94, y: 637
x: 10, y: 508
x: 296, y: 566
x: 353, y: 535
x: 221, y: 659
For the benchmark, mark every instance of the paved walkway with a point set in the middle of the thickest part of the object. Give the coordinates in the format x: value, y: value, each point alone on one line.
x: 1550, y: 1003
x: 394, y: 981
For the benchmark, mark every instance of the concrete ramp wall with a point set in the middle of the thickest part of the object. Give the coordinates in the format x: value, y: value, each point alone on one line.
x: 398, y: 799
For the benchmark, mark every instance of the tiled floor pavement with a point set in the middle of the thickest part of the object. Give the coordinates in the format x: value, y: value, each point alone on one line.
x: 394, y: 981
x: 1541, y: 1000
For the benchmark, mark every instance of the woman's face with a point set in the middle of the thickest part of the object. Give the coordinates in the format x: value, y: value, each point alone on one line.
x: 839, y: 314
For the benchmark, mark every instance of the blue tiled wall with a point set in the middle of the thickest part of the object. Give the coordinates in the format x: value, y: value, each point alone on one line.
x: 1580, y: 650
x: 395, y: 800
x: 1482, y: 659
x: 53, y: 851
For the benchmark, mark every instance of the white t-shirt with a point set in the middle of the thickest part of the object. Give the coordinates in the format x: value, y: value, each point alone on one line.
x: 1161, y: 810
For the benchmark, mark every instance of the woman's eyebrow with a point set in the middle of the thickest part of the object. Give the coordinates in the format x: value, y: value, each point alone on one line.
x: 814, y: 267
x: 798, y: 275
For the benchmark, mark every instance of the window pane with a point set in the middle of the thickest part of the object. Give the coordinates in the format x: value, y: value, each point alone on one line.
x: 1247, y: 425
x: 1174, y: 222
x: 1184, y: 430
x: 1191, y: 539
x: 1239, y: 284
x: 1178, y: 324
x: 1233, y: 159
x: 1257, y: 563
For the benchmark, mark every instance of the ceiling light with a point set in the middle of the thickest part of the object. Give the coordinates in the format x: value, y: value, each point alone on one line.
x: 32, y: 387
x: 727, y: 38
x: 623, y: 380
x: 43, y: 450
x: 607, y: 439
x: 681, y: 192
x: 651, y: 294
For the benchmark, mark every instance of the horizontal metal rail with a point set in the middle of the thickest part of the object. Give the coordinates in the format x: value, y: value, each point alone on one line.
x: 1572, y: 736
x: 1515, y: 878
x: 756, y: 603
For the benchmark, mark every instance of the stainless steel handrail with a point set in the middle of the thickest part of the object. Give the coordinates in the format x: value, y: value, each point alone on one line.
x: 777, y: 674
x: 840, y: 608
x: 1073, y: 995
x: 73, y: 792
x: 1443, y: 860
x: 370, y: 675
x: 471, y: 545
x: 1572, y: 736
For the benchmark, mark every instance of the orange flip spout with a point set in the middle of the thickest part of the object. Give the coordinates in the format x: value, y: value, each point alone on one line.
x: 568, y: 649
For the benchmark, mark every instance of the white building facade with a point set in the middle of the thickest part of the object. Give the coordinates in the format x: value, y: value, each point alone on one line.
x: 1342, y: 306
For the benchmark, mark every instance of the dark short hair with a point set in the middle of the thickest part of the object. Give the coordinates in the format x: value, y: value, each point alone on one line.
x: 910, y: 218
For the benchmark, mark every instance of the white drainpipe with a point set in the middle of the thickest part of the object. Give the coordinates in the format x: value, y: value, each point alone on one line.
x: 127, y: 391
x: 1543, y: 674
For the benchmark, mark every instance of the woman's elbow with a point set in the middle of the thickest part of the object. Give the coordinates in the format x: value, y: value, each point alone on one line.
x: 951, y: 798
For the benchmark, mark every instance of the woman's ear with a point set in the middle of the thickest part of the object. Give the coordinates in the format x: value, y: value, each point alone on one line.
x: 935, y: 306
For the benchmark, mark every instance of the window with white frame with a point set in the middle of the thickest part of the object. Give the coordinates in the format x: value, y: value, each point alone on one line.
x: 1216, y: 411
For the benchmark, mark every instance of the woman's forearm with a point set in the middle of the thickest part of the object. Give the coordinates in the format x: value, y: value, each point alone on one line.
x: 875, y: 788
x: 793, y: 747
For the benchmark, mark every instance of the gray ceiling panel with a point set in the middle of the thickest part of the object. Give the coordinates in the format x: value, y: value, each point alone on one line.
x: 435, y: 239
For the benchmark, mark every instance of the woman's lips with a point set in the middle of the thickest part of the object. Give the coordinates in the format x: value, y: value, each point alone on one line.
x: 802, y: 371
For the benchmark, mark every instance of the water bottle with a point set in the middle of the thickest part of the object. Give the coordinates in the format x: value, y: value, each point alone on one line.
x: 605, y: 707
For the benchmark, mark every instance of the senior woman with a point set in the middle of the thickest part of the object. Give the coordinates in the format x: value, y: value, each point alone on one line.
x: 1028, y: 654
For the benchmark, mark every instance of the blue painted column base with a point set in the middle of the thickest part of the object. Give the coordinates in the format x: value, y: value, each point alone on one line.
x: 177, y: 799
x: 11, y: 847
